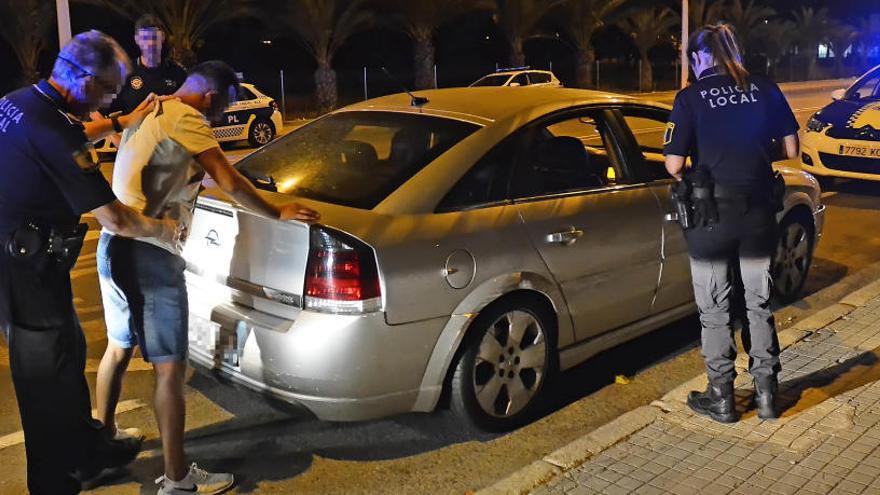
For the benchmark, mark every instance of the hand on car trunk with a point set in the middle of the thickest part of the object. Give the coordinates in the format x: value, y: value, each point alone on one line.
x: 296, y: 211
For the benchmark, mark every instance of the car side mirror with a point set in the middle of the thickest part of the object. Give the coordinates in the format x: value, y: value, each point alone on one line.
x: 515, y: 85
x: 838, y: 94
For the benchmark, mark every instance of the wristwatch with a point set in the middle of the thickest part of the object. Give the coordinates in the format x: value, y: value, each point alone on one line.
x: 114, y: 117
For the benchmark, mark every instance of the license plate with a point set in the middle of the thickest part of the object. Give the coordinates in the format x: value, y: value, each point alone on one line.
x: 859, y: 151
x: 224, y: 345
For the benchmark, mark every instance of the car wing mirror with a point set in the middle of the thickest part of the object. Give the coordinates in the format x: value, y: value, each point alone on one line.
x: 515, y: 85
x: 838, y: 94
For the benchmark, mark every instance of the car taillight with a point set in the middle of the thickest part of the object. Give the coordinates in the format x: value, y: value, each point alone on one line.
x: 341, y: 274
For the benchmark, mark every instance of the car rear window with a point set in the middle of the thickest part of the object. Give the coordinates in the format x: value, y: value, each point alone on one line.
x: 353, y: 158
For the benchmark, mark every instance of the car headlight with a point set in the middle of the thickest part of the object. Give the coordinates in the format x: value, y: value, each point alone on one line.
x: 815, y: 124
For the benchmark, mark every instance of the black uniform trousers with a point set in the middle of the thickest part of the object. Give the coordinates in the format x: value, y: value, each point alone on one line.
x: 47, y: 354
x: 742, y: 242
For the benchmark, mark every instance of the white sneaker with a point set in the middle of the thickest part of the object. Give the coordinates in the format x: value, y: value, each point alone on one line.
x: 196, y: 481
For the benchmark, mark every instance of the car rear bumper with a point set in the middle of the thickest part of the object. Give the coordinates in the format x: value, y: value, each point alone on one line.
x: 341, y: 368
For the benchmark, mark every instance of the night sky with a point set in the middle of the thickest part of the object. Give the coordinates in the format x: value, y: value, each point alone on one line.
x: 463, y: 50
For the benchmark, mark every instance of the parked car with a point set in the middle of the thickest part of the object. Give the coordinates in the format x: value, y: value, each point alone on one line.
x: 473, y: 244
x: 843, y: 138
x: 519, y: 77
x: 253, y: 117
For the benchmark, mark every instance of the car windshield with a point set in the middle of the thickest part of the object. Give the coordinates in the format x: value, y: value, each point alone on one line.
x: 868, y: 88
x: 353, y: 158
x: 492, y: 81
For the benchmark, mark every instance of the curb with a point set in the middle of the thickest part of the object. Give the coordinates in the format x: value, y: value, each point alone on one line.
x: 581, y: 450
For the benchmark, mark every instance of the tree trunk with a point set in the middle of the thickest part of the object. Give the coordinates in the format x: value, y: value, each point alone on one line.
x: 517, y: 56
x: 29, y: 72
x: 183, y: 54
x: 325, y: 88
x: 586, y: 59
x: 424, y: 63
x: 647, y: 82
x: 811, y: 65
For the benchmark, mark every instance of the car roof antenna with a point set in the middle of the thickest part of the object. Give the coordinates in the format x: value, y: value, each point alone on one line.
x: 416, y: 101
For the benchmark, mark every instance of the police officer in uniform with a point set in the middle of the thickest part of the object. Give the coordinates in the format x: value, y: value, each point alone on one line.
x: 153, y: 73
x: 728, y: 122
x: 47, y: 180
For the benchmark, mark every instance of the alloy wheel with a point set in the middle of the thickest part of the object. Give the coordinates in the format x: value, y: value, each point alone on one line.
x: 510, y: 364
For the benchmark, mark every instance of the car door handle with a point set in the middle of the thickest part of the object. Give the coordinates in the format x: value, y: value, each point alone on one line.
x: 565, y: 237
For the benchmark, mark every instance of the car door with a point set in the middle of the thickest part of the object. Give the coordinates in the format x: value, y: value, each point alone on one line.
x: 600, y: 238
x: 645, y: 127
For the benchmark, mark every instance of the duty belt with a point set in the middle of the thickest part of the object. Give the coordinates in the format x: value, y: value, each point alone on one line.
x: 42, y: 245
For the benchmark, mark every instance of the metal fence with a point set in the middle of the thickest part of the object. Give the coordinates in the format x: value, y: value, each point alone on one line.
x: 294, y: 90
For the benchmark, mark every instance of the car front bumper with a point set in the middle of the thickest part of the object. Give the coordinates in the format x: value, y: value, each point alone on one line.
x: 820, y: 156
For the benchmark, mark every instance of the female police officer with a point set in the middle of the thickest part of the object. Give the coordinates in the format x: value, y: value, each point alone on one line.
x: 727, y: 122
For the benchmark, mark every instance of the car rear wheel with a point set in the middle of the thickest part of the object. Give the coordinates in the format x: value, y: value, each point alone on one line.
x: 794, y: 255
x: 262, y: 132
x: 505, y: 365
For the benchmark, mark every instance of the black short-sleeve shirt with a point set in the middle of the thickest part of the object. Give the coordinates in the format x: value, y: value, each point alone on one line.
x: 730, y: 130
x: 162, y: 80
x: 47, y: 173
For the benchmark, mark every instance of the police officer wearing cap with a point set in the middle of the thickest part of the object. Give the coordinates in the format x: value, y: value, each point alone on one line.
x: 729, y: 122
x: 47, y: 181
x: 152, y: 73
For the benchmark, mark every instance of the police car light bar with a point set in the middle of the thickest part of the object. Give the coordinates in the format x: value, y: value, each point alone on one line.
x: 508, y: 69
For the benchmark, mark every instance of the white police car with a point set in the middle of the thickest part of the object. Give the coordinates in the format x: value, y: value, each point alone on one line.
x: 843, y: 138
x: 254, y: 116
x: 519, y: 76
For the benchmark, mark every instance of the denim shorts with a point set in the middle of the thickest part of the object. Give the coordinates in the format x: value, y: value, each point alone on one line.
x: 144, y: 294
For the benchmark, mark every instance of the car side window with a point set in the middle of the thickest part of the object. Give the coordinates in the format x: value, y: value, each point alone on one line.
x: 520, y: 79
x: 245, y: 94
x: 486, y: 182
x: 568, y: 155
x: 648, y: 127
x: 867, y: 89
x: 539, y: 78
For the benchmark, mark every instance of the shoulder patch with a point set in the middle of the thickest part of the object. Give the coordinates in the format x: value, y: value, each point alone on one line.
x: 137, y: 83
x: 667, y: 135
x: 86, y: 159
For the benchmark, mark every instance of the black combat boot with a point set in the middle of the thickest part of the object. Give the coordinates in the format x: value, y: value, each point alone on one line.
x: 765, y: 397
x: 717, y: 402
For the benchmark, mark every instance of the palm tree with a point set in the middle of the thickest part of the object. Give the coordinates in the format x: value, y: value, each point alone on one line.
x: 842, y: 36
x: 746, y: 18
x: 580, y: 20
x: 812, y: 27
x: 519, y: 20
x: 26, y: 29
x: 420, y: 20
x: 324, y: 26
x: 777, y: 36
x: 704, y: 12
x: 185, y: 21
x: 645, y: 27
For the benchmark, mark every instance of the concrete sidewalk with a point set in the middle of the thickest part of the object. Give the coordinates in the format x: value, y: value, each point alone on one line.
x: 827, y: 441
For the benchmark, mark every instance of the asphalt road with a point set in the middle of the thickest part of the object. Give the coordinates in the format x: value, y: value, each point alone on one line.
x: 275, y: 449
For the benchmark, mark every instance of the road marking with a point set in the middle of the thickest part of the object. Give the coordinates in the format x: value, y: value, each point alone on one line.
x: 17, y: 437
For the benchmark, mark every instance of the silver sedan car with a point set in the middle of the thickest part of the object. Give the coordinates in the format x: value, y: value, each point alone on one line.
x: 473, y: 243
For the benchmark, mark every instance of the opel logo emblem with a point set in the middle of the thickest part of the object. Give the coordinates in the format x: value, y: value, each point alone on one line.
x: 212, y: 239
